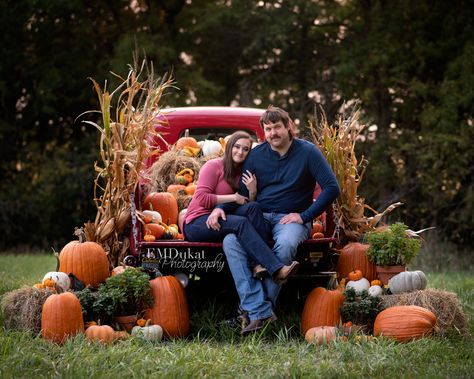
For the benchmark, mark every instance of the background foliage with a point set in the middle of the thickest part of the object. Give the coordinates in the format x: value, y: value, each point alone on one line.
x: 409, y: 64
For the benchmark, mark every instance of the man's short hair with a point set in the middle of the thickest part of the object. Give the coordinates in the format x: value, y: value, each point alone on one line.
x: 273, y: 115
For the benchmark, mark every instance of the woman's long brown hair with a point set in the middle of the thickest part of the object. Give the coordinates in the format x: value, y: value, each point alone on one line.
x: 231, y: 169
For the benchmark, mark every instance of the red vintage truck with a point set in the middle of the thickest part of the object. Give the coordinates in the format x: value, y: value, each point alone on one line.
x: 204, y: 263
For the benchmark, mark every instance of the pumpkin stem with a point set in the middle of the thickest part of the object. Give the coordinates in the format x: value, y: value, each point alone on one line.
x: 79, y: 233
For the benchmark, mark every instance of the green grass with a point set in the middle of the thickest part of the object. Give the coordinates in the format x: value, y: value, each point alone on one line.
x: 215, y: 350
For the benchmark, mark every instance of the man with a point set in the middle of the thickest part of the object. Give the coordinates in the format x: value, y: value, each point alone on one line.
x: 287, y: 170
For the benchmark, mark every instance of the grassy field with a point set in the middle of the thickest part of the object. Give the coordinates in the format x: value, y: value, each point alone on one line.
x: 216, y: 350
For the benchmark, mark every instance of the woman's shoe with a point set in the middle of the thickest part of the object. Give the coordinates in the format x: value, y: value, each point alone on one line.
x: 259, y: 272
x: 286, y: 271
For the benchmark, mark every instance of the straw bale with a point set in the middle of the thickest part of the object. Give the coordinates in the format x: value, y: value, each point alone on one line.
x: 445, y: 305
x: 22, y: 308
x: 163, y: 171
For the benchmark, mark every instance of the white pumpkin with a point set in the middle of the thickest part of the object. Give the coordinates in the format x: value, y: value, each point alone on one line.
x: 358, y: 285
x: 181, y: 216
x: 407, y: 281
x: 211, y: 148
x: 148, y: 332
x: 375, y: 291
x: 154, y: 216
x: 62, y: 279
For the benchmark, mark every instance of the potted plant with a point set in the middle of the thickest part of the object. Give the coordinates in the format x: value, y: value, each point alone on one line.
x: 391, y: 250
x: 360, y: 309
x: 120, y: 299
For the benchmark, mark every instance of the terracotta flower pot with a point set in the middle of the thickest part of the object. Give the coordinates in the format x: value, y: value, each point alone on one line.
x: 126, y: 322
x: 384, y: 273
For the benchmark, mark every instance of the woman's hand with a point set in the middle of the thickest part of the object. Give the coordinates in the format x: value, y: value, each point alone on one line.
x: 250, y: 181
x: 239, y: 199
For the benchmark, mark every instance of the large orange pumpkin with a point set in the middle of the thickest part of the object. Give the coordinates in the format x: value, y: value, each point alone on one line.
x: 353, y: 257
x: 86, y: 260
x: 61, y: 317
x: 404, y: 322
x: 322, y: 308
x: 170, y: 310
x: 164, y: 203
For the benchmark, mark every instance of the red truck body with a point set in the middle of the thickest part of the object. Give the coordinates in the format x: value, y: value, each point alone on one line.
x: 201, y: 259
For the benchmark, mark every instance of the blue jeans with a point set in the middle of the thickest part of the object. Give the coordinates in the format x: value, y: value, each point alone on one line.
x: 257, y: 297
x: 249, y: 226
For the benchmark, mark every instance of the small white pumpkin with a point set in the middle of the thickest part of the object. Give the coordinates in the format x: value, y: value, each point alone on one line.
x: 62, y: 279
x: 407, y: 281
x: 181, y: 216
x: 148, y: 332
x: 211, y: 147
x: 375, y: 291
x: 358, y: 285
x: 153, y: 216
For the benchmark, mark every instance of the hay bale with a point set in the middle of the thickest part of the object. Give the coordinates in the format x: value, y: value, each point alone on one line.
x: 163, y: 171
x: 445, y: 305
x: 22, y: 308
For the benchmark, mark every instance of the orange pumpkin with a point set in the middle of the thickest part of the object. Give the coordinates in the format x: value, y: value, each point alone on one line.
x: 321, y: 308
x: 165, y: 204
x: 86, y: 260
x: 101, y: 333
x: 353, y: 255
x: 317, y: 235
x: 149, y: 238
x: 190, y: 189
x: 317, y: 227
x: 404, y: 322
x: 61, y: 317
x: 321, y: 335
x: 185, y: 142
x: 376, y: 282
x: 355, y: 275
x: 170, y: 310
x: 155, y: 230
x: 175, y: 188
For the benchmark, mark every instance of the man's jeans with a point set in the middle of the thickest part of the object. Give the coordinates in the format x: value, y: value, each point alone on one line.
x: 258, y: 297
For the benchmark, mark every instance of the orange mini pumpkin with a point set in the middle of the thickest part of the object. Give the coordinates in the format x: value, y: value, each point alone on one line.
x: 317, y: 235
x: 101, y: 333
x: 155, y: 230
x: 321, y: 335
x: 376, y: 282
x: 355, y: 275
x: 317, y: 227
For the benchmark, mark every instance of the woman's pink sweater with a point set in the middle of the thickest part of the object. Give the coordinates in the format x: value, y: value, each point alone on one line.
x: 210, y: 184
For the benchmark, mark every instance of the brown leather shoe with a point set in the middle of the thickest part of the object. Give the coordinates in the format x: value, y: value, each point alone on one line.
x: 256, y: 325
x: 259, y: 272
x: 286, y: 271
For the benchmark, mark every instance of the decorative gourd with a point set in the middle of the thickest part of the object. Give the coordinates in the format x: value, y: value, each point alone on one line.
x: 407, y: 281
x: 186, y: 141
x: 61, y: 317
x: 376, y: 282
x: 170, y: 309
x: 353, y: 255
x: 156, y: 230
x: 141, y: 322
x: 317, y: 227
x: 321, y: 335
x: 355, y: 275
x: 358, y: 285
x: 39, y: 286
x: 101, y: 333
x: 149, y: 238
x: 375, y: 291
x: 190, y: 189
x: 119, y: 269
x: 86, y: 260
x: 321, y: 308
x: 165, y: 204
x: 61, y: 279
x: 210, y: 147
x: 404, y: 322
x: 185, y: 176
x: 151, y: 217
x: 148, y: 332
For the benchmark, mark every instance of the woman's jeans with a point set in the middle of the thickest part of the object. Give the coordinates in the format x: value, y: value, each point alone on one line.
x: 250, y: 229
x: 258, y: 297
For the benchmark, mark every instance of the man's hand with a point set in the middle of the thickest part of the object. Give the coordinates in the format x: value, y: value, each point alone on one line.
x: 250, y: 181
x: 290, y: 218
x: 212, y: 221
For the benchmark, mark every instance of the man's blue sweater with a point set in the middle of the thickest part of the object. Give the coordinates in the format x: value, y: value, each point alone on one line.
x: 285, y: 184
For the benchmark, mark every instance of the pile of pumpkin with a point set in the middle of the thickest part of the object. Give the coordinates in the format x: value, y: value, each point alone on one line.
x: 321, y: 317
x: 87, y: 263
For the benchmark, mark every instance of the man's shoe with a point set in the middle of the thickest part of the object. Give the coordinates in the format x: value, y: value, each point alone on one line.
x: 259, y: 272
x: 256, y: 325
x: 286, y: 271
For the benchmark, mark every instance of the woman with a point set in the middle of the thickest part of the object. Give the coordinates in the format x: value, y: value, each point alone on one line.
x: 218, y: 184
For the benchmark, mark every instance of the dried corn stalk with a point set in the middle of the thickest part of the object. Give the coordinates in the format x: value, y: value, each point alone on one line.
x: 123, y: 148
x: 337, y: 143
